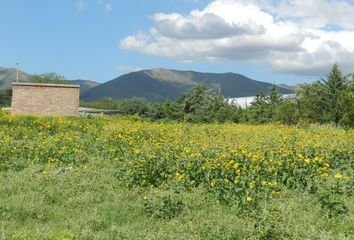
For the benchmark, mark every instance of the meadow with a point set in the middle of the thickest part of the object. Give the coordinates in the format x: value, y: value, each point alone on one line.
x: 128, y: 178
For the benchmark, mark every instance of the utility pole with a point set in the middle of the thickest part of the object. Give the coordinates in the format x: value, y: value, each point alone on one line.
x: 17, y: 71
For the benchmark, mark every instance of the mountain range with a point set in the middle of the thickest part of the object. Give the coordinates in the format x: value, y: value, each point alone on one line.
x: 8, y: 76
x: 158, y: 84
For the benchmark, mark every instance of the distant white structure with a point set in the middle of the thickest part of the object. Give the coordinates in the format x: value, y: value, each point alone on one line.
x: 245, y: 102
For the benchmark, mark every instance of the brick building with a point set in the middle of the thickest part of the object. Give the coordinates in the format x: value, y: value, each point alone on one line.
x: 45, y: 99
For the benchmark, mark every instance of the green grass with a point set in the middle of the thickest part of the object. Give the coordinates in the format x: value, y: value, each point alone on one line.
x: 87, y: 187
x: 91, y: 204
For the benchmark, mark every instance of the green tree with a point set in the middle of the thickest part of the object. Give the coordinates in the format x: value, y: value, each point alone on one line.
x: 201, y: 105
x: 49, y: 77
x: 259, y: 109
x: 310, y: 103
x: 274, y: 100
x: 323, y: 101
x: 348, y: 99
x: 332, y: 98
x: 5, y: 98
x: 193, y: 99
x: 288, y: 112
x: 169, y: 109
x: 134, y: 106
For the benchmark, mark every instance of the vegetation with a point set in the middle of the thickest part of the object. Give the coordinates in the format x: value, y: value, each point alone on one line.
x: 328, y: 101
x: 49, y: 77
x: 128, y: 178
x: 5, y: 98
x: 157, y: 85
x: 155, y: 174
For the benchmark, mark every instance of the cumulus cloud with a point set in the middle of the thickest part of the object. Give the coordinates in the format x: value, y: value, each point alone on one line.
x: 291, y: 36
x: 316, y: 13
x: 206, y: 26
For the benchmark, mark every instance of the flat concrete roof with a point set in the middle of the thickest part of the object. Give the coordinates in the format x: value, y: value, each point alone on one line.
x: 46, y: 85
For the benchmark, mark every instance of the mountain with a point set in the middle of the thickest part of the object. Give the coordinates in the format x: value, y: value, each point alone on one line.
x: 8, y: 76
x: 84, y: 84
x: 159, y: 84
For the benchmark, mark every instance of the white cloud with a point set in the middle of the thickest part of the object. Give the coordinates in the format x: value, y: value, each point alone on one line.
x: 280, y: 35
x: 101, y: 4
x: 127, y: 68
x: 317, y: 13
x: 106, y: 6
x: 80, y: 6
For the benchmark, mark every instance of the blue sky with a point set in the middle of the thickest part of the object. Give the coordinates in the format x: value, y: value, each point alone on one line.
x: 271, y: 41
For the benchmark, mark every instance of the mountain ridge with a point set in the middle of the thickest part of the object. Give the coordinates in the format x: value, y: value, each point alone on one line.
x: 158, y: 84
x: 8, y: 76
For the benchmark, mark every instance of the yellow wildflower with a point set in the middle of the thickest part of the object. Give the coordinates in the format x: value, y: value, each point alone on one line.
x: 338, y: 176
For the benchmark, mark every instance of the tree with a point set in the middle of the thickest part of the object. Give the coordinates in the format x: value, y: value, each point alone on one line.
x: 348, y: 99
x: 332, y: 98
x: 259, y: 110
x: 193, y: 99
x: 274, y: 99
x: 49, y: 77
x: 201, y: 105
x: 323, y: 101
x: 311, y: 106
x: 288, y: 112
x: 5, y: 98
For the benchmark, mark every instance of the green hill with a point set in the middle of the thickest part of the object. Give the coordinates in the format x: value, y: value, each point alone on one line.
x: 159, y: 84
x: 85, y: 84
x: 156, y: 84
x: 8, y: 76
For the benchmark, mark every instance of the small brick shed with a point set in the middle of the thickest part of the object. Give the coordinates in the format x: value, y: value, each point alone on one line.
x: 45, y: 99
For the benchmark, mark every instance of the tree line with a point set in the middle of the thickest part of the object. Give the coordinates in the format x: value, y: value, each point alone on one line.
x: 328, y: 100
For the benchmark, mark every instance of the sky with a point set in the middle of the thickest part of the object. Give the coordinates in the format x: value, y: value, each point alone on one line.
x: 276, y: 41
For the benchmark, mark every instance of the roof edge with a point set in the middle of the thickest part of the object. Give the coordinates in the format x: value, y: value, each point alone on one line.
x: 45, y: 85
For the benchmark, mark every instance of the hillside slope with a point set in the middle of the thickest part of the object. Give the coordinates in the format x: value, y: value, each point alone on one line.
x: 8, y: 76
x: 159, y: 84
x: 84, y: 84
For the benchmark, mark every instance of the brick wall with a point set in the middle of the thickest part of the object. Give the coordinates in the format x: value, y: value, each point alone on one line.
x: 45, y: 99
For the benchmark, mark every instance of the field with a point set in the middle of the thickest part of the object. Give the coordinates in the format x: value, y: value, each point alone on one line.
x: 126, y: 178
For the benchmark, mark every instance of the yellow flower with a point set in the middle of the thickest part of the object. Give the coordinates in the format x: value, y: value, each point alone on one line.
x: 145, y: 197
x: 249, y: 199
x: 338, y: 176
x: 179, y: 176
x: 275, y: 194
x: 212, y: 184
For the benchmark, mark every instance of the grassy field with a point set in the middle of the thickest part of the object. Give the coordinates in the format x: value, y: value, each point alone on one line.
x: 124, y: 178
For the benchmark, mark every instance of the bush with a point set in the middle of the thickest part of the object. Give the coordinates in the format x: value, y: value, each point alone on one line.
x: 165, y: 207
